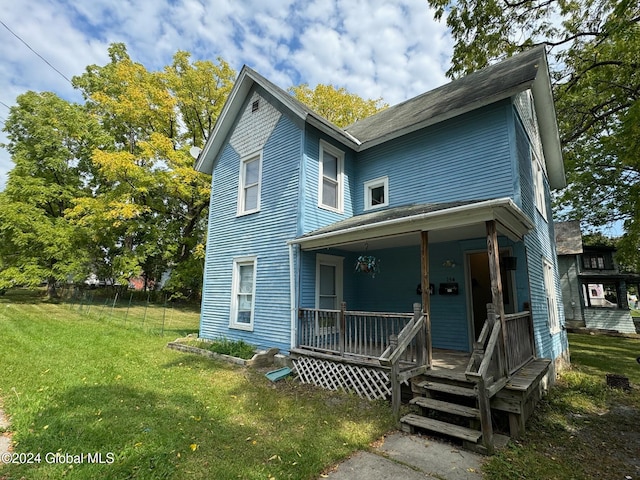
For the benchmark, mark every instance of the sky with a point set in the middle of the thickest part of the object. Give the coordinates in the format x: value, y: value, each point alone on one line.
x: 392, y: 50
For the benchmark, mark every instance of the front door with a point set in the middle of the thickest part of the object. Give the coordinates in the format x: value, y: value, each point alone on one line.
x: 480, y: 283
x: 328, y: 282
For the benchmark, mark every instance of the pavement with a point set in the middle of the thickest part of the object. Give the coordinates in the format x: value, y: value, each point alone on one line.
x: 410, y: 457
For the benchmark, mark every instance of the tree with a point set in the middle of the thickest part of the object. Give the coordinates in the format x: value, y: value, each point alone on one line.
x: 151, y: 204
x: 50, y: 142
x: 595, y: 46
x: 336, y: 104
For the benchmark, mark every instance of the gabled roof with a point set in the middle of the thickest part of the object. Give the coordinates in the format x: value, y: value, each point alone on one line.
x: 527, y: 70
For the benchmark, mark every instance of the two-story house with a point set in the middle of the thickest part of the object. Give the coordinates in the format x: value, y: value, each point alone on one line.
x: 446, y: 198
x: 595, y: 292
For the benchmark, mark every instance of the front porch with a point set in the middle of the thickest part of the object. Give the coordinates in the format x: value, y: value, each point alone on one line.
x: 459, y: 394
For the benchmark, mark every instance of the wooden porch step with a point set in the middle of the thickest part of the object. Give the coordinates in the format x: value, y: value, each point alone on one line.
x: 446, y: 388
x: 446, y: 407
x: 467, y: 434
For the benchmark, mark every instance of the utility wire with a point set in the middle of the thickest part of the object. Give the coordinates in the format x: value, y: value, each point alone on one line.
x: 41, y: 57
x: 2, y: 103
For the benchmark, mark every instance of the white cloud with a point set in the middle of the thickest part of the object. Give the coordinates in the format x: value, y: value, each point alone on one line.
x: 373, y: 48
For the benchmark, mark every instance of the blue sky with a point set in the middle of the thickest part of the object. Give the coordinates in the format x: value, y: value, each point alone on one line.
x: 374, y: 48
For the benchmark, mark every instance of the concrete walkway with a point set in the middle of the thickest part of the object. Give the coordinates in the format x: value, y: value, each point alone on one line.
x: 410, y: 457
x: 5, y: 440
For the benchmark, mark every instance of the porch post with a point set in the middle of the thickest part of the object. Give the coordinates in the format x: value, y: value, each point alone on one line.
x: 426, y: 297
x: 493, y: 251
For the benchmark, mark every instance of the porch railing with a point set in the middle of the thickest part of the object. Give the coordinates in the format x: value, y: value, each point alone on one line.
x: 356, y: 333
x: 520, y: 347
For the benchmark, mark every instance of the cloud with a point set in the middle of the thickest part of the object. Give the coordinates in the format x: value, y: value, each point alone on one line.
x: 374, y: 48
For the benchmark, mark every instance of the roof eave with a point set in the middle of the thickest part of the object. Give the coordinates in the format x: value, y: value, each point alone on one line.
x: 515, y: 224
x: 548, y: 125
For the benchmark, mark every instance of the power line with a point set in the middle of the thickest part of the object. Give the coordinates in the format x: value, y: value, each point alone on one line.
x: 2, y: 103
x: 40, y: 56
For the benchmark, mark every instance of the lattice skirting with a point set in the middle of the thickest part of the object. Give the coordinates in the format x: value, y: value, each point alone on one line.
x: 367, y: 382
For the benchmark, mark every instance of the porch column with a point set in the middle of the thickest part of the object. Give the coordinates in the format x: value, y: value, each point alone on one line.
x: 493, y: 251
x: 426, y: 296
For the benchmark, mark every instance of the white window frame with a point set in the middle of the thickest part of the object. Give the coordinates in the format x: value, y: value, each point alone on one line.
x: 537, y: 171
x: 339, y: 154
x: 369, y: 186
x: 551, y: 296
x: 239, y: 262
x: 242, y: 187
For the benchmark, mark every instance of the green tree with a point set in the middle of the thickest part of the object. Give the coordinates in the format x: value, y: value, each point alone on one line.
x: 336, y: 104
x: 594, y: 46
x: 50, y: 142
x: 151, y: 204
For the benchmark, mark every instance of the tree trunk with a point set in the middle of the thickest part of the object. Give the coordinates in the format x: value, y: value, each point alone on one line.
x: 52, y: 292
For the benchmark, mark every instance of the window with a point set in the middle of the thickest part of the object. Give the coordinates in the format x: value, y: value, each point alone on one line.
x: 331, y: 177
x: 538, y: 185
x: 376, y: 193
x: 243, y: 293
x: 596, y: 261
x: 250, y: 177
x: 552, y: 303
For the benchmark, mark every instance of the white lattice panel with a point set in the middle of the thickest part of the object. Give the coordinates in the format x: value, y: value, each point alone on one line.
x: 367, y: 382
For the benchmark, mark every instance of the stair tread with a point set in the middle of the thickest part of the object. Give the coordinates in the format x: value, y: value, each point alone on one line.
x: 447, y: 407
x: 444, y: 387
x: 449, y: 429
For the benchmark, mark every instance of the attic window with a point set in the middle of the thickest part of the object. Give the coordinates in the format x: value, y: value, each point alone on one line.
x: 255, y: 106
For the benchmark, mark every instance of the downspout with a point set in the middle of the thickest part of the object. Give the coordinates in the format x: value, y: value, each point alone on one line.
x: 293, y: 296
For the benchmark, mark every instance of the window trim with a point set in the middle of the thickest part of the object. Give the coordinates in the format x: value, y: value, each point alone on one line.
x: 242, y: 187
x: 339, y: 154
x: 368, y: 188
x: 551, y: 297
x: 235, y: 292
x: 538, y: 174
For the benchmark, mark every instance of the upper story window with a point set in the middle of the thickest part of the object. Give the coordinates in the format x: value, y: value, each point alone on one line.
x: 552, y: 302
x: 376, y: 193
x: 597, y: 261
x: 250, y: 179
x: 538, y: 185
x: 331, y: 186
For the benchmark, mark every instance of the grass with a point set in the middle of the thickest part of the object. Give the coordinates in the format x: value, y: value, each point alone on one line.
x: 75, y: 384
x: 582, y: 429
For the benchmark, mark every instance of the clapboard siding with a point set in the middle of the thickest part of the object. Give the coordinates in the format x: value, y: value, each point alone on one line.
x: 609, y: 319
x: 539, y: 245
x: 313, y: 216
x: 465, y: 158
x: 263, y: 234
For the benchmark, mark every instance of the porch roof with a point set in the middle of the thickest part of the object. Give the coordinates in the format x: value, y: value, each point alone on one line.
x: 402, y: 225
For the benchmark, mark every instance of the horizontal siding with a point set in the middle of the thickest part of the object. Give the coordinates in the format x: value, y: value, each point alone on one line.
x: 609, y: 319
x: 313, y: 216
x: 539, y: 244
x: 263, y: 234
x: 465, y: 158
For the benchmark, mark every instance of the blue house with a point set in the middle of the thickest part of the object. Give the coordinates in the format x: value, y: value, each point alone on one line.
x: 416, y: 242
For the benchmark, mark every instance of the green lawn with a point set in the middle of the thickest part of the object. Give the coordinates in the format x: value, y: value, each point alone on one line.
x: 77, y: 385
x: 583, y: 429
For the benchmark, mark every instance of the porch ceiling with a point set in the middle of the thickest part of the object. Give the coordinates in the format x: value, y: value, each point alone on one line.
x: 401, y: 226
